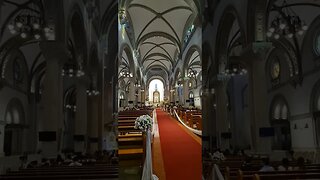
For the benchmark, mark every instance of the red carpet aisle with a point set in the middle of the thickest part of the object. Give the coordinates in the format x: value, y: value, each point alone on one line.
x: 181, y: 153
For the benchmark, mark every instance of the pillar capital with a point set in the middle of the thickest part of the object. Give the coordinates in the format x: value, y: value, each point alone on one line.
x: 257, y: 50
x: 55, y: 50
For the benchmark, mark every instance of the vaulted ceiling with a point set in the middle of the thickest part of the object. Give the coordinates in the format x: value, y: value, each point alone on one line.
x: 159, y: 32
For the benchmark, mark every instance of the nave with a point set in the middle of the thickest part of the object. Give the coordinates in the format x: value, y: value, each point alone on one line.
x: 57, y: 89
x: 181, y: 149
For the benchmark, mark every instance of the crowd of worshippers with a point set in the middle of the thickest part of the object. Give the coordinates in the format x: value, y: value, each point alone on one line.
x: 267, y: 167
x: 299, y: 164
x: 71, y: 159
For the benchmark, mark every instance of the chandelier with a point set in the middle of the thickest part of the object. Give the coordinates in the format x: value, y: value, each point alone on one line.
x: 137, y: 85
x: 192, y: 73
x: 232, y: 70
x: 71, y: 71
x: 92, y: 92
x: 287, y: 23
x: 29, y: 24
x: 71, y: 107
x: 126, y: 74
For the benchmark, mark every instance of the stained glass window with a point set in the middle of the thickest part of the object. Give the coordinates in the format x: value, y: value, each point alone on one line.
x: 317, y: 44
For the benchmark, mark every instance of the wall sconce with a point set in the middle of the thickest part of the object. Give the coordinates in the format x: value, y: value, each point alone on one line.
x: 71, y: 107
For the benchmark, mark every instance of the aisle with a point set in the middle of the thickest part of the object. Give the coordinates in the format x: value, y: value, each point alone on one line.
x: 180, y: 151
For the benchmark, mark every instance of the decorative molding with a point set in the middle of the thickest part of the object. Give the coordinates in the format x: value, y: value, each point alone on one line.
x: 261, y: 47
x: 289, y: 82
x: 300, y: 116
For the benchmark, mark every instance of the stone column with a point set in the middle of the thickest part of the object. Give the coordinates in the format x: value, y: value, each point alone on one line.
x: 132, y: 90
x: 177, y: 97
x: 138, y: 97
x: 2, y: 130
x: 51, y: 114
x: 258, y: 102
x: 222, y: 115
x: 171, y: 98
x: 185, y: 92
x: 209, y: 121
x: 259, y: 105
x: 92, y: 123
x: 80, y: 131
x: 142, y: 97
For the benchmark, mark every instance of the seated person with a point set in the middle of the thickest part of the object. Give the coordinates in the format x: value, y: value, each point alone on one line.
x: 218, y: 155
x: 75, y: 162
x: 247, y: 165
x: 300, y: 164
x: 285, y: 165
x: 33, y: 164
x: 59, y: 160
x: 24, y: 162
x: 68, y: 159
x: 45, y: 162
x: 266, y: 166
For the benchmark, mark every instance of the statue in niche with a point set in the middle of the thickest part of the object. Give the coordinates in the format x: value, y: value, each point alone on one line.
x: 156, y: 95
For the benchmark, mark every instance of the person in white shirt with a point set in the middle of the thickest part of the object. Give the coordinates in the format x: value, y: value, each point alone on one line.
x: 285, y: 165
x: 266, y: 166
x: 218, y: 155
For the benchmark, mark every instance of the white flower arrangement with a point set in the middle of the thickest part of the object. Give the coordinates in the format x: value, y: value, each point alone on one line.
x: 143, y: 123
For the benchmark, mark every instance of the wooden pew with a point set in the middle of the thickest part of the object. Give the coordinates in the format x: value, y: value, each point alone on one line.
x: 65, y: 172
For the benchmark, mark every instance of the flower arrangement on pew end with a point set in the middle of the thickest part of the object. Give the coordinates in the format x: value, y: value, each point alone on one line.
x: 144, y: 123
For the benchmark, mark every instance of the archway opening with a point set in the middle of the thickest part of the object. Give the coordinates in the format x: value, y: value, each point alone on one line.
x: 156, y: 92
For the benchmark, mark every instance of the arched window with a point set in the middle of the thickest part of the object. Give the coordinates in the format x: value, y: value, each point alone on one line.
x: 122, y: 100
x: 315, y: 108
x: 121, y: 96
x: 156, y: 97
x: 191, y: 95
x: 318, y: 104
x: 281, y: 124
x: 317, y: 44
x: 13, y: 134
x: 191, y: 98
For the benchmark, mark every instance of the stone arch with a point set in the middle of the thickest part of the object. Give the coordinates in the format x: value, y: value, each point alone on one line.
x: 229, y: 17
x: 93, y: 58
x: 308, y: 51
x: 159, y: 78
x: 188, y: 56
x: 207, y: 64
x: 126, y: 48
x: 15, y: 69
x: 76, y: 33
x: 178, y: 72
x: 287, y: 67
x: 315, y: 98
x: 279, y: 119
x: 315, y: 109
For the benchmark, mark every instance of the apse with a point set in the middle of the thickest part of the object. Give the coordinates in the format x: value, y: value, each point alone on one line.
x: 156, y: 85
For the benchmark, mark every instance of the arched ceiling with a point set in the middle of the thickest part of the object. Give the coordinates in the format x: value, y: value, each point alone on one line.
x: 194, y: 63
x: 160, y: 28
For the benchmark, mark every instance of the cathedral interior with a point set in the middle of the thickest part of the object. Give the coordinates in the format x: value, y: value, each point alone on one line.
x: 240, y: 77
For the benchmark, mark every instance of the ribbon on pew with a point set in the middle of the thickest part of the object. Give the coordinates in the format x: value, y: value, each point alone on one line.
x: 147, y: 173
x: 196, y: 131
